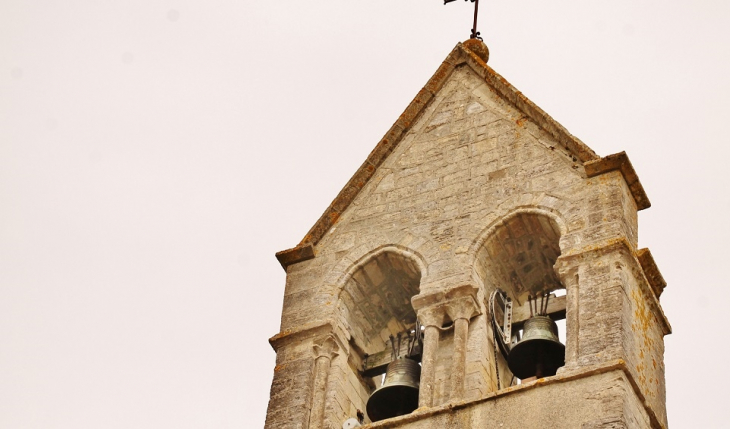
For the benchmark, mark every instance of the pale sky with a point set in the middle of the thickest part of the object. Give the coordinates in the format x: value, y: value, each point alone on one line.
x: 155, y: 155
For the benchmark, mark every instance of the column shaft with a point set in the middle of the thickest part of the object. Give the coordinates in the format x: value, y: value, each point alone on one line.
x: 572, y: 346
x: 428, y: 366
x: 319, y: 391
x: 461, y: 333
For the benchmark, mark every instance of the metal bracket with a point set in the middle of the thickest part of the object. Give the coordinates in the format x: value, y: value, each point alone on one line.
x: 507, y: 326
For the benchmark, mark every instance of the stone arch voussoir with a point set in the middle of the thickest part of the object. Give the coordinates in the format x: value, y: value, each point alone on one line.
x: 346, y: 268
x: 506, y: 212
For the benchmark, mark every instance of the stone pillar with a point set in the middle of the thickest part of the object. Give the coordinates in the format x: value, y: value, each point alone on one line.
x: 613, y: 317
x: 461, y: 333
x: 460, y: 304
x: 460, y: 310
x: 569, y: 278
x: 431, y: 319
x: 324, y: 351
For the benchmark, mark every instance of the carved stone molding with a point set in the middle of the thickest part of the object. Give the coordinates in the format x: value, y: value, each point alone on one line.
x: 456, y: 302
x: 326, y: 347
x: 464, y: 307
x: 314, y: 329
x: 432, y: 316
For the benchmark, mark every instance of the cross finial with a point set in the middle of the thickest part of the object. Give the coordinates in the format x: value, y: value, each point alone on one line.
x: 474, y: 33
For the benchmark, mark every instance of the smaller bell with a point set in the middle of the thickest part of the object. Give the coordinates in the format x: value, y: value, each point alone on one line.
x: 539, y: 353
x: 399, y: 393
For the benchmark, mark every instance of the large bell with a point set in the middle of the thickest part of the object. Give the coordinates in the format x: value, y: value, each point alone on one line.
x: 399, y: 393
x: 539, y: 353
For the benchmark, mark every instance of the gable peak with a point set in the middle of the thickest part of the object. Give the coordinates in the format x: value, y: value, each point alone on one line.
x: 473, y: 54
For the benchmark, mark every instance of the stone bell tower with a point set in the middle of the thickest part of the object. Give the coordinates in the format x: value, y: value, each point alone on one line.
x: 476, y: 215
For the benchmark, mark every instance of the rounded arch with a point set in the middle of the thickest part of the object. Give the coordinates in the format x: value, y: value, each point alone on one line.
x: 517, y: 252
x: 365, y: 257
x: 487, y: 232
x: 374, y: 296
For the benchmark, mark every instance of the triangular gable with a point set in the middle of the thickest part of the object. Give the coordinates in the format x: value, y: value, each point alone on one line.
x: 475, y: 54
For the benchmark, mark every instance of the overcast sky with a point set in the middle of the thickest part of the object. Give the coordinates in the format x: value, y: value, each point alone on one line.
x: 155, y: 155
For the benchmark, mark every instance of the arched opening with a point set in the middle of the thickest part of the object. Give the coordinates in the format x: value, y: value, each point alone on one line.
x: 375, y: 304
x: 517, y: 259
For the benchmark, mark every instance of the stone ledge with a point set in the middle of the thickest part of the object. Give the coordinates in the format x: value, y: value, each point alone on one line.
x: 567, y: 374
x: 297, y: 254
x: 310, y: 329
x: 656, y: 280
x: 620, y: 161
x: 620, y: 245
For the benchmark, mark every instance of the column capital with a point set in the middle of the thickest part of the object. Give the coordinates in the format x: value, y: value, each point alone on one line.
x: 458, y: 302
x: 429, y: 299
x: 326, y: 346
x: 463, y: 307
x: 432, y: 316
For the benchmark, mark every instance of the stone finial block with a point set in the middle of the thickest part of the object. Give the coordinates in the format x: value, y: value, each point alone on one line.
x: 478, y: 48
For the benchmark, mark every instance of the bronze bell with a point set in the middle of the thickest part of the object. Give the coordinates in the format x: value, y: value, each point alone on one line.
x: 539, y: 353
x: 399, y: 393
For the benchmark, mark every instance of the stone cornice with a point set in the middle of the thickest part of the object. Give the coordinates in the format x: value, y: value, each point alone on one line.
x: 620, y: 162
x: 320, y: 328
x: 297, y: 254
x: 656, y: 280
x: 572, y: 260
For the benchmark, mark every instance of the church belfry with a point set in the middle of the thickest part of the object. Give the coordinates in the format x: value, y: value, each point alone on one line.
x: 427, y: 293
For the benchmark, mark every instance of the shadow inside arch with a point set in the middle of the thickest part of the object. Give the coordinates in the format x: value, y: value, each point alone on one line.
x: 517, y: 252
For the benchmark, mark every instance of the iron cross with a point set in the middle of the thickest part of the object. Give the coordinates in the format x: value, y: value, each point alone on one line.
x: 474, y: 33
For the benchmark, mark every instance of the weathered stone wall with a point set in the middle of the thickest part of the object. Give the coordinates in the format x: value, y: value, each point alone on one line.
x: 471, y: 161
x: 291, y: 388
x: 599, y: 401
x: 480, y: 378
x: 615, y: 315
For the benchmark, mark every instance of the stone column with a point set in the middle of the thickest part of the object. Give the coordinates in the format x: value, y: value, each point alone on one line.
x: 461, y: 333
x: 431, y: 318
x: 569, y: 278
x: 460, y: 304
x: 461, y: 310
x: 324, y: 351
